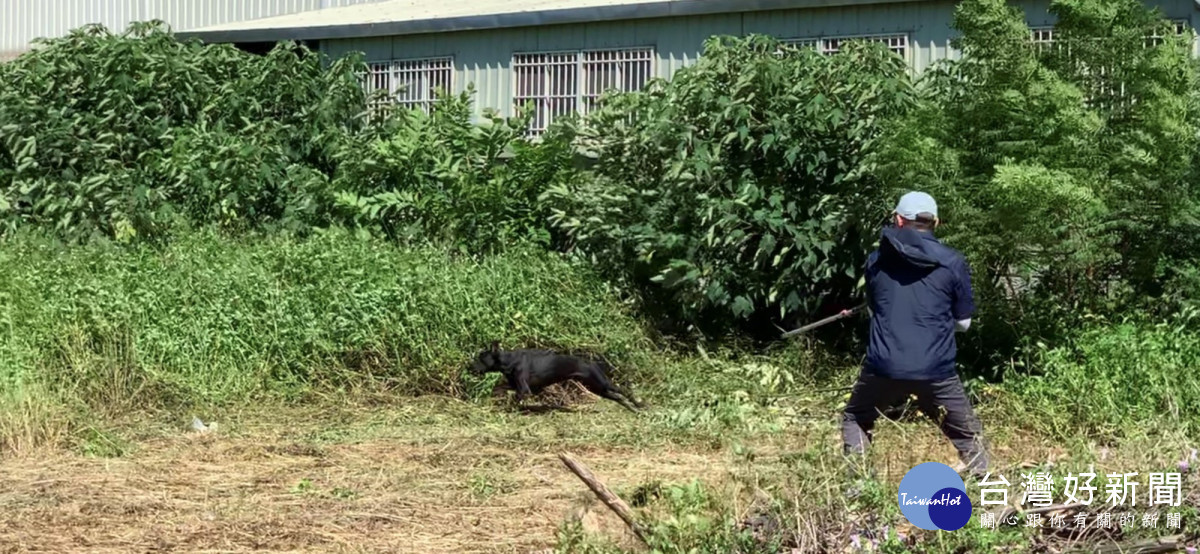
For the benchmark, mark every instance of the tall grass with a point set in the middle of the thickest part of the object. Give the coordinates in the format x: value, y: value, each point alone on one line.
x: 209, y: 319
x: 1114, y: 380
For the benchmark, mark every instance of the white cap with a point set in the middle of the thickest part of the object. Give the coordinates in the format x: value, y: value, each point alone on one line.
x: 915, y: 203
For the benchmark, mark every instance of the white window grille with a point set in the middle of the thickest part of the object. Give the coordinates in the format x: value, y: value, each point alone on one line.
x: 620, y: 70
x: 408, y: 83
x: 798, y: 43
x: 561, y: 83
x: 1181, y: 27
x: 1043, y: 39
x: 1102, y: 92
x: 801, y: 42
x: 1042, y: 35
x: 548, y: 81
x: 378, y: 78
x: 895, y: 43
x: 418, y: 82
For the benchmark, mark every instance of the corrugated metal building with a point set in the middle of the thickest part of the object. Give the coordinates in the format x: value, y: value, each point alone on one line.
x: 21, y: 21
x: 561, y: 54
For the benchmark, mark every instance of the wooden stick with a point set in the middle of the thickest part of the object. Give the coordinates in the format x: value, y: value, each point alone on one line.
x: 611, y: 500
x: 826, y: 321
x: 1149, y: 546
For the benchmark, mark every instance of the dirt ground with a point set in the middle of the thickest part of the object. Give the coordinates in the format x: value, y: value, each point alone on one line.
x: 418, y: 487
x: 426, y: 477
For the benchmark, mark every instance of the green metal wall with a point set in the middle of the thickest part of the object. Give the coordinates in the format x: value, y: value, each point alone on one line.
x: 483, y: 57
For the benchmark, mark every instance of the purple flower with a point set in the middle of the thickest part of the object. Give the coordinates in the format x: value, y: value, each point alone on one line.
x: 854, y: 540
x: 1191, y: 550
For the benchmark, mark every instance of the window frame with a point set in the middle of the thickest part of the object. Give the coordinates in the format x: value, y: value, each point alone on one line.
x: 579, y: 96
x: 423, y: 68
x: 821, y: 43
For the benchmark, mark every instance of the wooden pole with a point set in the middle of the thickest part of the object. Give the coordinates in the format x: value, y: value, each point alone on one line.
x: 602, y: 492
x: 1149, y: 546
x: 826, y: 321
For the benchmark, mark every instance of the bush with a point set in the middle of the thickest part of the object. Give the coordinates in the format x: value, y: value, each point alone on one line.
x: 441, y: 177
x: 123, y: 135
x: 1072, y: 191
x: 744, y: 186
x: 210, y: 320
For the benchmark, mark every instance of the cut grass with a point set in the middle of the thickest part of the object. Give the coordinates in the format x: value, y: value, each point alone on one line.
x: 439, y: 475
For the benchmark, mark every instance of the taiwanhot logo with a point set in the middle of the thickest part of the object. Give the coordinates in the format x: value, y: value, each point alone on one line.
x: 933, y: 497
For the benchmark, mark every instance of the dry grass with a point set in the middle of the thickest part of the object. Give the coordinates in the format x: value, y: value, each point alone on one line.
x: 275, y: 485
x: 435, y: 476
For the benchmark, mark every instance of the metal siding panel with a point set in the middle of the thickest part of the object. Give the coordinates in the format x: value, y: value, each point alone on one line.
x: 419, y: 46
x: 25, y: 20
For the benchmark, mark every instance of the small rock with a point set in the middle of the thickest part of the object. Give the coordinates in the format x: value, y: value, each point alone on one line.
x: 199, y: 426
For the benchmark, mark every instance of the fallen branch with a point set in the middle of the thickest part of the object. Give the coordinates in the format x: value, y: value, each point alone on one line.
x: 1149, y: 546
x: 602, y: 492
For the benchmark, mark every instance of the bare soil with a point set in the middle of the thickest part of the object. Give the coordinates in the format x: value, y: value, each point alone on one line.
x: 277, y: 486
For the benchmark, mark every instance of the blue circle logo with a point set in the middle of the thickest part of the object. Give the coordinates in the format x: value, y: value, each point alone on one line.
x: 933, y: 497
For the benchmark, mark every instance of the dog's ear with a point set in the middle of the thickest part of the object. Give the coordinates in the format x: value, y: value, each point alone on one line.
x: 495, y: 347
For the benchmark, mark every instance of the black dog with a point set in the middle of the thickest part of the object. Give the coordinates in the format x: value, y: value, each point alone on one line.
x: 528, y: 372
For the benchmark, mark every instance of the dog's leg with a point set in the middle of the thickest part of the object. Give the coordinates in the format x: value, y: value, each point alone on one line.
x: 602, y: 387
x: 606, y: 370
x: 626, y: 394
x: 621, y: 399
x: 522, y: 386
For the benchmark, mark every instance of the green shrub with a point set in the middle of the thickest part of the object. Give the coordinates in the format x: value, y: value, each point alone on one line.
x: 1072, y: 191
x: 744, y: 185
x: 442, y: 177
x: 123, y: 135
x: 213, y: 320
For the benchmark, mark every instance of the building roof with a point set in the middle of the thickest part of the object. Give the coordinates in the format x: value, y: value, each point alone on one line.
x: 403, y: 17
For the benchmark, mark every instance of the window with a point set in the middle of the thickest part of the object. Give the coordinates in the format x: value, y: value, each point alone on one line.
x: 622, y: 70
x: 797, y: 43
x: 801, y: 42
x: 378, y: 78
x: 895, y: 43
x: 548, y: 81
x: 832, y: 45
x: 408, y: 83
x: 1181, y: 27
x: 1044, y: 37
x: 1102, y: 88
x: 560, y: 83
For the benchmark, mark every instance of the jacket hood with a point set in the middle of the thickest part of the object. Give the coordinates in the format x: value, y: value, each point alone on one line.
x: 914, y: 248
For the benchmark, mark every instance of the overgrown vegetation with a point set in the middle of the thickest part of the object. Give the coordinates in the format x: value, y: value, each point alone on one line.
x: 183, y: 224
x: 441, y: 177
x: 213, y: 320
x: 129, y: 135
x: 743, y: 186
x: 1066, y: 173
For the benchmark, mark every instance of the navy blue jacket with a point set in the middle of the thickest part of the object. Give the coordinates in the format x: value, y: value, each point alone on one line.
x: 917, y: 288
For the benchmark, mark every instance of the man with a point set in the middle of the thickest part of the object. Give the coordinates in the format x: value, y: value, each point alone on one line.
x: 919, y: 294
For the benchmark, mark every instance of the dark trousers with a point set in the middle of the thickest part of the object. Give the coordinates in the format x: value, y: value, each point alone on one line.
x: 872, y: 394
